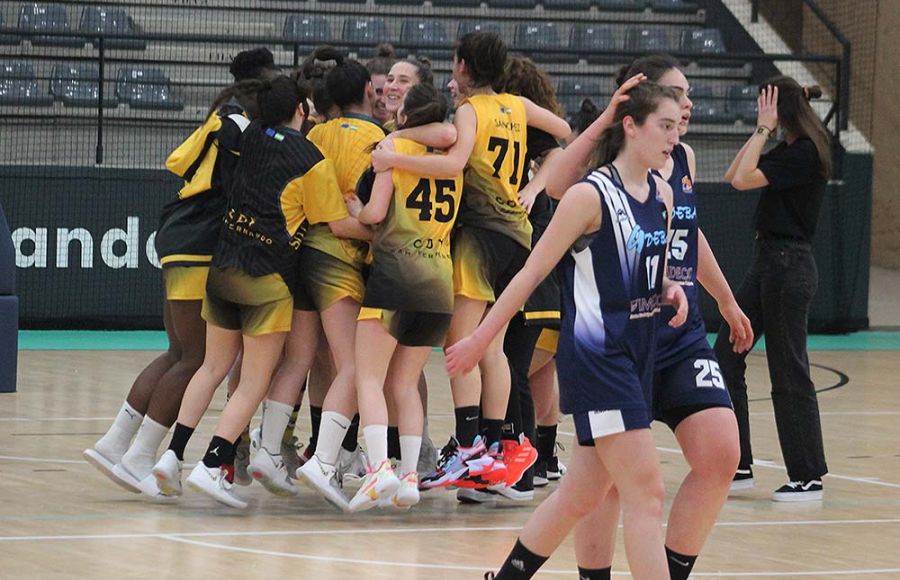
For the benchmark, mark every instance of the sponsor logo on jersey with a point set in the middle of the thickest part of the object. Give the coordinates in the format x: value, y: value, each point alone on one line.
x: 506, y: 111
x: 686, y: 185
x: 349, y: 126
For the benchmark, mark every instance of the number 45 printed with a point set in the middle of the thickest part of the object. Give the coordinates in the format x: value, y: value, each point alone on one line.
x: 708, y: 374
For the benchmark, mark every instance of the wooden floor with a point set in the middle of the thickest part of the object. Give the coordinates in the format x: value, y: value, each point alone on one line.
x: 62, y: 519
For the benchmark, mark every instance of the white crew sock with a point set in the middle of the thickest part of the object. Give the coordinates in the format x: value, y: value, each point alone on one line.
x: 332, y: 431
x: 115, y: 442
x: 409, y: 453
x: 141, y: 456
x: 376, y: 444
x: 275, y: 419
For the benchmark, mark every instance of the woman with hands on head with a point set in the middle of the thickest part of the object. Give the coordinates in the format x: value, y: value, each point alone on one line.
x: 782, y: 280
x: 610, y: 232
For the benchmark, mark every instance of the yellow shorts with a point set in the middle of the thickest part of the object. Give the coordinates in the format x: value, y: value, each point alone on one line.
x: 548, y: 340
x: 185, y: 282
x: 322, y: 280
x: 254, y: 305
x: 411, y: 328
x: 484, y: 262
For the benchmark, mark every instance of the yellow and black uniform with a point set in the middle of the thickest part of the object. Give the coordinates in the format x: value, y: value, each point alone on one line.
x: 282, y: 184
x: 548, y: 340
x: 494, y: 235
x: 411, y: 284
x: 332, y: 267
x: 189, y: 225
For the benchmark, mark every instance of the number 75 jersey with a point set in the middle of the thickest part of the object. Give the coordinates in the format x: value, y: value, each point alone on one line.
x: 494, y: 170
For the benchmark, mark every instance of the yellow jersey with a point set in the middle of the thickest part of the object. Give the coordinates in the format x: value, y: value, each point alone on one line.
x: 347, y: 141
x: 492, y: 176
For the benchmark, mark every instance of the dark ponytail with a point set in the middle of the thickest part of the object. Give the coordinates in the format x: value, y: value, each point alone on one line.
x: 644, y: 100
x: 278, y: 101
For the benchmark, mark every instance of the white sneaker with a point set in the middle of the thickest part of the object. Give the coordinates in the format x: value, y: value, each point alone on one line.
x: 105, y: 465
x: 324, y: 479
x: 379, y: 484
x: 147, y: 484
x: 408, y: 493
x: 242, y: 462
x: 511, y: 493
x: 352, y: 465
x: 270, y: 471
x: 475, y: 496
x: 167, y: 472
x: 212, y: 481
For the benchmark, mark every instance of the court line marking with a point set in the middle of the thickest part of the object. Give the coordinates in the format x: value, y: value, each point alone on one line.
x: 773, y: 465
x: 40, y: 460
x: 371, y: 531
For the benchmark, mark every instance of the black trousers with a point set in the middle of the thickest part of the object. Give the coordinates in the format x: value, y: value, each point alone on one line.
x: 518, y: 345
x: 775, y: 296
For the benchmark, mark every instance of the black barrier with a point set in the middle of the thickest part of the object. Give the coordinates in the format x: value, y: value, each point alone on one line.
x: 84, y: 268
x: 83, y: 241
x: 9, y: 310
x: 841, y: 245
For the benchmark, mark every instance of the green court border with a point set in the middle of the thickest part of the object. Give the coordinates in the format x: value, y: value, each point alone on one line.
x: 156, y: 340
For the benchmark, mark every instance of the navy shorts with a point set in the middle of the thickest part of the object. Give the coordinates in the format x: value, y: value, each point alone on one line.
x: 688, y: 386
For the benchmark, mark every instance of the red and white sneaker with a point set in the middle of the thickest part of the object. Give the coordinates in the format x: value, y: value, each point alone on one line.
x: 518, y: 456
x: 379, y: 484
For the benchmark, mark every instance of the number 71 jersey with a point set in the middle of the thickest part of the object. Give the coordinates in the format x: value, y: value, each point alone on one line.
x: 411, y: 246
x: 494, y: 170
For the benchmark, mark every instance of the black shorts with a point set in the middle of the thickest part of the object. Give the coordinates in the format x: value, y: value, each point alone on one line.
x: 484, y: 262
x: 411, y: 328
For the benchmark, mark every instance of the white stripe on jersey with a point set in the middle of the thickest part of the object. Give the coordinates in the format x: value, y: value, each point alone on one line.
x: 589, y: 330
x: 623, y: 223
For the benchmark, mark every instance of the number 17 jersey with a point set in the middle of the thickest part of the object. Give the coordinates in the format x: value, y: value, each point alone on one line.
x: 412, y: 269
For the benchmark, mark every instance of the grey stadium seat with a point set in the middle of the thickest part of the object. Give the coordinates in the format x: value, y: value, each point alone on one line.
x: 46, y: 18
x: 426, y: 37
x: 541, y: 41
x: 742, y: 102
x: 309, y: 30
x: 593, y: 41
x: 18, y: 86
x: 95, y: 19
x: 366, y: 34
x: 619, y: 4
x: 8, y: 38
x: 566, y: 4
x: 707, y: 107
x: 146, y: 88
x: 570, y: 91
x: 704, y: 40
x: 77, y: 85
x: 522, y: 4
x: 673, y: 6
x: 466, y: 26
x: 648, y: 39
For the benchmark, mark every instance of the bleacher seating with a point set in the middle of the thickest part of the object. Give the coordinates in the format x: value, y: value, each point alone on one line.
x: 46, y: 18
x: 96, y: 19
x: 365, y: 33
x: 466, y: 26
x: 677, y: 6
x: 572, y: 90
x: 425, y: 37
x: 8, y: 39
x: 521, y: 4
x: 648, y: 39
x: 704, y: 40
x: 18, y: 86
x: 77, y: 85
x: 542, y: 42
x: 310, y: 30
x: 742, y: 103
x: 707, y: 107
x: 593, y: 41
x: 620, y: 4
x: 566, y: 4
x: 146, y: 88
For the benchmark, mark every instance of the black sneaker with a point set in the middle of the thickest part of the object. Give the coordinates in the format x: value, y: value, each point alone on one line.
x: 540, y: 474
x: 799, y: 491
x: 555, y: 468
x: 743, y: 479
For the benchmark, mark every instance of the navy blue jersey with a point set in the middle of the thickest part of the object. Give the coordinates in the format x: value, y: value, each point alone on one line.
x: 674, y: 343
x: 611, y: 283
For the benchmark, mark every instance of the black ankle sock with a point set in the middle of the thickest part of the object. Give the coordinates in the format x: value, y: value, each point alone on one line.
x: 508, y: 431
x: 180, y: 439
x: 493, y: 430
x: 680, y: 566
x: 350, y: 442
x: 521, y: 564
x: 393, y: 443
x: 292, y: 422
x: 546, y: 440
x: 220, y: 452
x: 466, y: 425
x: 594, y: 573
x: 315, y: 419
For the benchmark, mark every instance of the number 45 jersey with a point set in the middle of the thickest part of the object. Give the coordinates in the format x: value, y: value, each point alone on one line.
x: 494, y: 170
x: 412, y: 269
x: 611, y: 284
